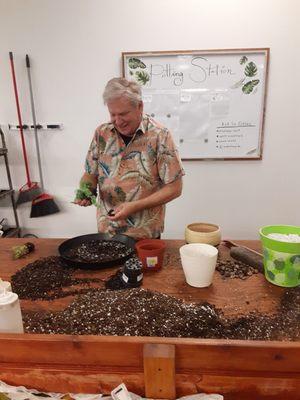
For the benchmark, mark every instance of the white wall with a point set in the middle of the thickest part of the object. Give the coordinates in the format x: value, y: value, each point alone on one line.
x: 75, y: 47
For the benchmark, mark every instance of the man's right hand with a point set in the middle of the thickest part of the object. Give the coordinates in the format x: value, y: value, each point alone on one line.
x: 83, y: 202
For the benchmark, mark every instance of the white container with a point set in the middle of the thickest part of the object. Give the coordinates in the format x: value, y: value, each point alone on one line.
x: 5, y: 285
x: 199, y: 262
x: 10, y: 313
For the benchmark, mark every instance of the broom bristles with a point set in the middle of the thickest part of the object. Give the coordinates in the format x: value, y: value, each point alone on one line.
x: 43, y: 205
x: 28, y: 193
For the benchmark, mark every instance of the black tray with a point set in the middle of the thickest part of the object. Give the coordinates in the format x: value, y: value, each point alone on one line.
x: 65, y: 246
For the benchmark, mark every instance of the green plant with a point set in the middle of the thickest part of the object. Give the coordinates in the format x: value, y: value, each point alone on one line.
x: 86, y: 192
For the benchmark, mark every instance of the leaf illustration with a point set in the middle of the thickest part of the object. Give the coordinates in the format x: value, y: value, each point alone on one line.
x: 250, y: 69
x: 279, y: 264
x: 133, y: 193
x: 112, y: 140
x: 88, y: 167
x: 243, y: 60
x: 271, y: 275
x: 249, y: 86
x: 120, y: 193
x: 238, y: 84
x: 136, y: 174
x: 142, y: 77
x: 130, y: 72
x: 105, y: 168
x: 102, y: 143
x: 130, y: 221
x: 131, y: 155
x: 140, y: 163
x: 135, y: 63
x: 295, y: 259
x: 152, y: 153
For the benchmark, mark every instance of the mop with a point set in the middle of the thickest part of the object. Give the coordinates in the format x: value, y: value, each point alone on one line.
x: 31, y: 189
x: 44, y: 203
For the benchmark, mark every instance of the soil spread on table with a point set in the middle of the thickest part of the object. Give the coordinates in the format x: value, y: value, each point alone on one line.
x: 45, y: 279
x: 139, y: 312
x: 235, y: 269
x: 98, y: 251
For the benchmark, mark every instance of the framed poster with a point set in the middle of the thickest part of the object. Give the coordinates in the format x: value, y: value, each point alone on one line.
x: 213, y: 101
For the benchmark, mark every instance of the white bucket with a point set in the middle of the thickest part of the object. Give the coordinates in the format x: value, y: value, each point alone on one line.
x: 199, y: 262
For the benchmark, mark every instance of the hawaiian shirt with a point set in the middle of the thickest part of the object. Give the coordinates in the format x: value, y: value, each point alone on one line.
x: 127, y: 173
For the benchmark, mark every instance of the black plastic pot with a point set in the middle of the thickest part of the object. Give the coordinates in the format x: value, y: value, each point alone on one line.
x: 69, y: 244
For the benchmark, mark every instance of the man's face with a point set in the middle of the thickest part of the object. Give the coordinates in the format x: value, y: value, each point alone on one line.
x: 125, y: 116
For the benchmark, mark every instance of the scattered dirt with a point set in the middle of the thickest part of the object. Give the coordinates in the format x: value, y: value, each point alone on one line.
x: 139, y: 312
x: 235, y: 269
x: 46, y: 278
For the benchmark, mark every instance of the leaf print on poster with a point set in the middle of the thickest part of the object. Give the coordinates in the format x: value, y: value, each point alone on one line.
x: 142, y: 77
x: 243, y: 60
x: 250, y: 69
x: 249, y: 86
x: 134, y: 63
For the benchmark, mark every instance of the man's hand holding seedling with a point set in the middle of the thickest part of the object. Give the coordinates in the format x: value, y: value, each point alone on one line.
x: 85, y: 195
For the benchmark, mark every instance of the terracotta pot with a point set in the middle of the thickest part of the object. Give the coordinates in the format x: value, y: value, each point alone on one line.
x: 151, y: 253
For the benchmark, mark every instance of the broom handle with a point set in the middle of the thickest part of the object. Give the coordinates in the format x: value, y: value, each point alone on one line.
x: 34, y: 123
x: 19, y: 118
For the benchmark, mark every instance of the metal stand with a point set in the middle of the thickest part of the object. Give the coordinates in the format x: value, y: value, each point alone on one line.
x: 14, y: 231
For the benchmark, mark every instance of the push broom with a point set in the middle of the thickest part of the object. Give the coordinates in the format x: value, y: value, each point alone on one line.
x: 31, y: 189
x: 43, y: 204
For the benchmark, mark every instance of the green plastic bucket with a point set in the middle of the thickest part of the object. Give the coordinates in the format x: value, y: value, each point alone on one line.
x: 281, y: 259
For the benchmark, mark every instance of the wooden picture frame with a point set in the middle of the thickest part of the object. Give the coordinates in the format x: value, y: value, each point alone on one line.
x: 213, y: 101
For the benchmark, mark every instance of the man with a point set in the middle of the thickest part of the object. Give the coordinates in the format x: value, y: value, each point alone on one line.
x: 135, y: 164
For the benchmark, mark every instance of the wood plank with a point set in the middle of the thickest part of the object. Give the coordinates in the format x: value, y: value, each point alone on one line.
x: 159, y: 371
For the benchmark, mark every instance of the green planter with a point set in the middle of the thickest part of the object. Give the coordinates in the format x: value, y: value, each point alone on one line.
x: 281, y: 259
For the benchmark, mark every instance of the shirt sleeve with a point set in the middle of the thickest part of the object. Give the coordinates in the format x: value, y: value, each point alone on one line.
x: 91, y: 161
x: 168, y: 159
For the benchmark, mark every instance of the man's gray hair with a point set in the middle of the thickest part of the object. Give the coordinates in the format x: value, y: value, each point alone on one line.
x: 121, y: 87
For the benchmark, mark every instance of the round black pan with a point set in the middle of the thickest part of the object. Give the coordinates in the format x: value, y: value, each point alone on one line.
x: 65, y: 246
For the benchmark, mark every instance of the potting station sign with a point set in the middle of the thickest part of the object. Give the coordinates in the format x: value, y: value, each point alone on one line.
x: 213, y: 101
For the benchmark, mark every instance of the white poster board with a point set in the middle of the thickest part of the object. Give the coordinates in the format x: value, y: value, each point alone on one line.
x: 213, y: 101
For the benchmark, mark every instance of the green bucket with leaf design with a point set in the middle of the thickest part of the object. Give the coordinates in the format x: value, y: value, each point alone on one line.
x: 281, y: 258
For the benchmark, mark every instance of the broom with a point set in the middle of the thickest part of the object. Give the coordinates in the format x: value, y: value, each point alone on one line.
x: 30, y: 190
x: 43, y: 204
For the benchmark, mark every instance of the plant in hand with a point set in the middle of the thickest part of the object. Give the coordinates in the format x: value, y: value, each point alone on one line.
x: 86, y: 192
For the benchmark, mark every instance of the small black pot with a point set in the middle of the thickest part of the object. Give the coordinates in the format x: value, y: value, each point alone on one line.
x: 132, y: 274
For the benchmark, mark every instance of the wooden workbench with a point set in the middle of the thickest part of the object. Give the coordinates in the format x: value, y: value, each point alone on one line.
x: 157, y: 367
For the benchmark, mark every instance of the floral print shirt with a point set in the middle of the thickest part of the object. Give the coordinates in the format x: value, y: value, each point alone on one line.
x: 132, y: 172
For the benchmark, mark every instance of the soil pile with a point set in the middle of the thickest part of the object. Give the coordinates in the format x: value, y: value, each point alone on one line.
x: 45, y: 279
x: 139, y: 312
x: 99, y: 251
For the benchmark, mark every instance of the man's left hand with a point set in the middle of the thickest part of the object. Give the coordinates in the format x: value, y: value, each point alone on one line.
x: 123, y: 211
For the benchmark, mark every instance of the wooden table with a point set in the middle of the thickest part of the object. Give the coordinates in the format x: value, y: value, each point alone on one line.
x: 155, y: 367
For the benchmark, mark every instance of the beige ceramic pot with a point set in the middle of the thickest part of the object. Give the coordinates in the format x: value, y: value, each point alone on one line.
x: 203, y: 232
